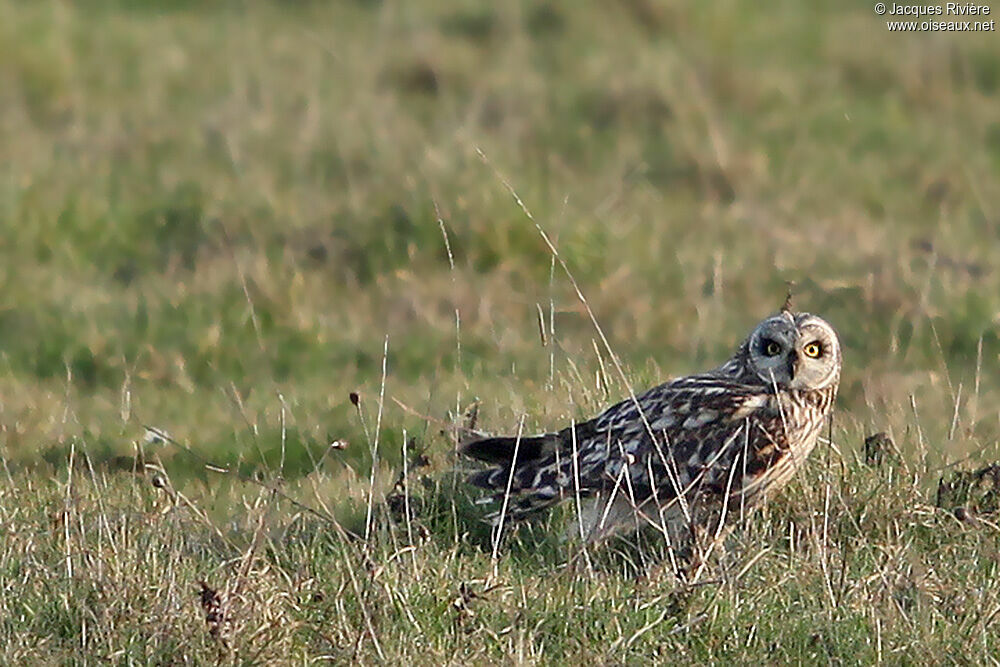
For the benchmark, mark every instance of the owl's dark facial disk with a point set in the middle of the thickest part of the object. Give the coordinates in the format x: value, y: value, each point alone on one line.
x: 795, y: 352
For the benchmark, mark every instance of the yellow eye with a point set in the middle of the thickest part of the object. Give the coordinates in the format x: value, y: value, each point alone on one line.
x: 812, y: 350
x: 772, y: 349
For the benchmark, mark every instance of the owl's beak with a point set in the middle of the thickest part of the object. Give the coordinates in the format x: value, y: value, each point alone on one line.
x: 793, y: 364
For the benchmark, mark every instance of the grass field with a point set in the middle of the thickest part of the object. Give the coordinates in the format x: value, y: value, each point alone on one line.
x: 220, y: 219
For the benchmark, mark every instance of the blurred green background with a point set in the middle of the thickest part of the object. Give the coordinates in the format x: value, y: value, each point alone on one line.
x: 216, y: 216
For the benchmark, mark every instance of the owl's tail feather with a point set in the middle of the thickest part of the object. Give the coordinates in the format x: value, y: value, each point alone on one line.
x: 520, y: 479
x: 502, y: 450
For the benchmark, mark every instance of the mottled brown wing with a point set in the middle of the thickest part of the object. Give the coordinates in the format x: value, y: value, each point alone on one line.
x: 675, y: 438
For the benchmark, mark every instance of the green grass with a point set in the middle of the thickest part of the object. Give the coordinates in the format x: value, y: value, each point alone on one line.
x: 215, y: 217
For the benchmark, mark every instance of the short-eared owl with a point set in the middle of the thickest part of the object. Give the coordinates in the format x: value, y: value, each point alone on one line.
x: 683, y: 453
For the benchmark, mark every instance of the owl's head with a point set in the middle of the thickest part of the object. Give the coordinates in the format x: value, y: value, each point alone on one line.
x: 795, y: 351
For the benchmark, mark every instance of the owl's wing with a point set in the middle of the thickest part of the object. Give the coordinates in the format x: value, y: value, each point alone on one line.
x: 657, y: 444
x: 684, y: 435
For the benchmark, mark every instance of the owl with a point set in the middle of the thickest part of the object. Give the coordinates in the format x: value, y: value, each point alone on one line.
x: 683, y: 456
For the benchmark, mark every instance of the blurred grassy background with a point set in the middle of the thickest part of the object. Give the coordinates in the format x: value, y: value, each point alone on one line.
x: 206, y: 206
x: 216, y: 216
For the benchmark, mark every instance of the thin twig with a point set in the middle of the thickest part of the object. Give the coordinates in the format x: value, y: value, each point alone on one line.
x: 374, y: 448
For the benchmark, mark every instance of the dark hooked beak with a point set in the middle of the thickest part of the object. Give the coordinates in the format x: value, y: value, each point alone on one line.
x: 793, y: 364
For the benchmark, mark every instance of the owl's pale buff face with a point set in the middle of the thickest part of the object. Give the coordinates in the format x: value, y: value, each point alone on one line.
x: 800, y: 352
